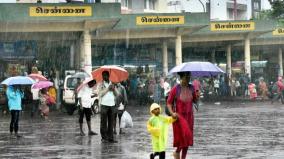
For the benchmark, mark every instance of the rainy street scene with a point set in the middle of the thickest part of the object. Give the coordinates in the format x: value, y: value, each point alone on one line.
x: 141, y: 79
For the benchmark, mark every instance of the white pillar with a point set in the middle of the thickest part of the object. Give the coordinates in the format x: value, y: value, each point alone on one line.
x: 78, y: 55
x: 229, y: 60
x: 280, y: 61
x: 213, y: 54
x: 165, y: 57
x: 247, y: 57
x: 178, y: 50
x: 72, y: 55
x: 88, y: 51
x: 82, y: 53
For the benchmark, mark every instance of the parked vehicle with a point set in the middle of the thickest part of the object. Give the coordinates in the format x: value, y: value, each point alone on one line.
x: 68, y: 95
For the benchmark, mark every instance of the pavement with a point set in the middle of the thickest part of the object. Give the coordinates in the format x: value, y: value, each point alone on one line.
x: 223, y: 129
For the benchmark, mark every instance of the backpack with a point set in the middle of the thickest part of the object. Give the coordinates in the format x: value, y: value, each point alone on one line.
x: 178, y: 90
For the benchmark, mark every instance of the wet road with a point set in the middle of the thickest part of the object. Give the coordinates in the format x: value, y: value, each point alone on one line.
x: 229, y: 130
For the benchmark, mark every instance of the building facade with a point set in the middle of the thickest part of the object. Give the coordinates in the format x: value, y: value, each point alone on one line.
x: 221, y: 9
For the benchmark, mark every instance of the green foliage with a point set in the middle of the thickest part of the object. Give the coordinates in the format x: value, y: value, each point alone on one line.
x: 277, y: 8
x: 265, y: 15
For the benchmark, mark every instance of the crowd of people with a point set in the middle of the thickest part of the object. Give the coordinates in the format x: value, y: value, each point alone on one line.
x: 180, y: 94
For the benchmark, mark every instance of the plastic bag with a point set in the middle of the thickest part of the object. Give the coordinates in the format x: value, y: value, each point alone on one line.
x: 126, y: 120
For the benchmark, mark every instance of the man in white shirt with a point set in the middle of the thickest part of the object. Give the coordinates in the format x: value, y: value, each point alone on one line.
x: 85, y: 101
x: 107, y: 94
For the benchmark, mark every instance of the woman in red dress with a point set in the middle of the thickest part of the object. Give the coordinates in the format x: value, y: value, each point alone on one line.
x: 183, y: 95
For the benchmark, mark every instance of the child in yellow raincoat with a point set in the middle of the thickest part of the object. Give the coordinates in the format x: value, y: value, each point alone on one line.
x: 158, y: 125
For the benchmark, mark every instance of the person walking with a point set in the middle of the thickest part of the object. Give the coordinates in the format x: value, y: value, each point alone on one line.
x: 216, y: 86
x: 157, y: 91
x: 78, y: 83
x: 263, y: 90
x: 252, y: 91
x: 107, y: 94
x: 121, y: 102
x: 183, y: 95
x: 280, y: 88
x: 167, y: 88
x: 157, y: 126
x: 44, y: 103
x: 35, y: 102
x: 52, y: 94
x: 85, y: 101
x: 15, y: 96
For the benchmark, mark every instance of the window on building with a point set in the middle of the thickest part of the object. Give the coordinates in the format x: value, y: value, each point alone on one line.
x: 124, y: 3
x: 149, y: 4
x: 256, y: 6
x: 152, y: 4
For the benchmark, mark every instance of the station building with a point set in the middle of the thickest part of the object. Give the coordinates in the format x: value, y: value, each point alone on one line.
x: 59, y: 37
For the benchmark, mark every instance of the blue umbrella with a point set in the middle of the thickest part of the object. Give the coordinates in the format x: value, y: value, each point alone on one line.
x: 198, y: 69
x: 18, y: 80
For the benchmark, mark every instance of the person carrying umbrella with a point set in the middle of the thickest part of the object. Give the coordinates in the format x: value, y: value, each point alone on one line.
x: 107, y: 94
x: 85, y: 101
x: 15, y: 96
x: 183, y: 95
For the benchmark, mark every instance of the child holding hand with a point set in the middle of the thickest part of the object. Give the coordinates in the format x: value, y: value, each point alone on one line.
x: 157, y: 126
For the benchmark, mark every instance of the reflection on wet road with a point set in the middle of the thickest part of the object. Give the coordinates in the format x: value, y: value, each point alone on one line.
x: 229, y: 130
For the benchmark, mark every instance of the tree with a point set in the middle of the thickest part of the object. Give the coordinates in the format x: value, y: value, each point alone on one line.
x: 277, y: 8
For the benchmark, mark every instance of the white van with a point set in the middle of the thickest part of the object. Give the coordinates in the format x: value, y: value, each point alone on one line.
x: 68, y: 95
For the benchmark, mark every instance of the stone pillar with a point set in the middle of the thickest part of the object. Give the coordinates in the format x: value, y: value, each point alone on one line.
x: 77, y: 55
x: 82, y: 53
x: 213, y: 54
x: 72, y: 55
x: 280, y: 61
x: 247, y: 57
x: 229, y: 60
x: 165, y: 57
x: 87, y: 51
x: 178, y: 50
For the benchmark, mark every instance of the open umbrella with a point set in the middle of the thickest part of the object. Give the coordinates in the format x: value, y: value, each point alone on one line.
x: 37, y: 77
x: 116, y: 74
x: 87, y: 80
x: 42, y: 84
x: 18, y: 80
x: 198, y: 69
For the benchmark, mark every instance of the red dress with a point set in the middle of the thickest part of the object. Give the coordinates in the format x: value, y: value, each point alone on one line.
x: 183, y: 127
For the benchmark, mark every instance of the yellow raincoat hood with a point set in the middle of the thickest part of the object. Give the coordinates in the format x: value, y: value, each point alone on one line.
x: 154, y: 106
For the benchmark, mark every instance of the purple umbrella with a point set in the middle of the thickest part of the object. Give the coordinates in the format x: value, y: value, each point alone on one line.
x: 197, y: 69
x: 42, y: 84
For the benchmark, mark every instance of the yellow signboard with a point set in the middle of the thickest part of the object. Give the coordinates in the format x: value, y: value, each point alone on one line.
x: 232, y: 26
x: 159, y: 20
x: 61, y: 11
x: 279, y: 31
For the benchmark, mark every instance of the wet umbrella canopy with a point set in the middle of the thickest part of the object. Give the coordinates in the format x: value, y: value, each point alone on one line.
x: 18, y: 80
x: 38, y: 77
x: 42, y: 84
x: 198, y: 69
x: 116, y: 74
